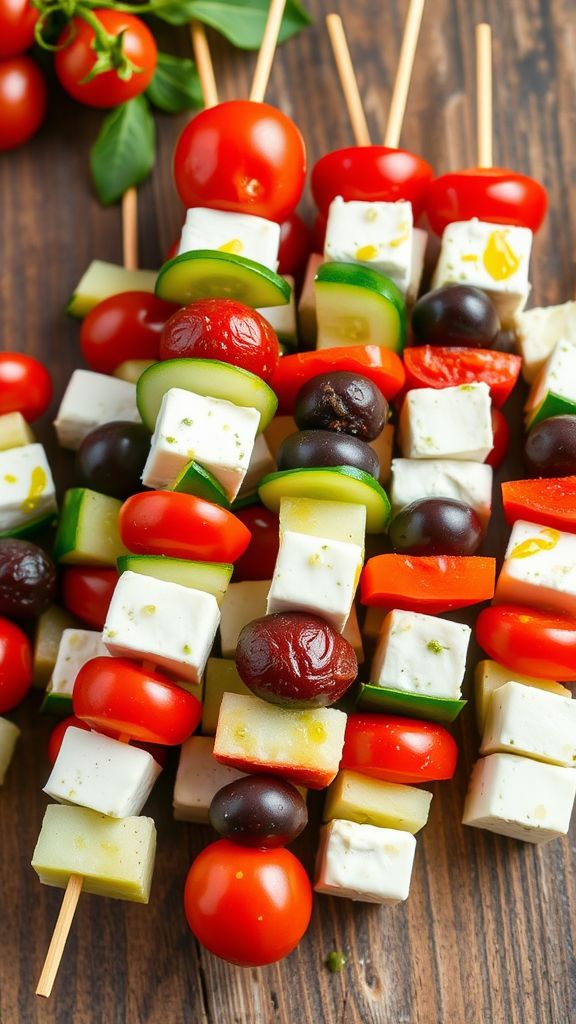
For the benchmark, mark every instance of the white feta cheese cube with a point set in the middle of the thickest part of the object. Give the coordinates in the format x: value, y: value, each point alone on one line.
x: 307, y: 320
x: 242, y: 603
x: 211, y: 431
x: 415, y: 479
x: 525, y: 720
x: 90, y: 400
x: 539, y: 568
x: 27, y: 489
x: 450, y: 423
x: 489, y: 676
x: 242, y: 234
x: 282, y: 319
x: 364, y: 862
x: 261, y: 463
x: 419, y: 245
x: 317, y: 576
x: 103, y: 774
x: 493, y: 257
x: 421, y: 654
x: 556, y: 379
x: 166, y: 623
x: 376, y: 235
x: 9, y: 734
x: 198, y: 779
x: 538, y: 331
x: 521, y: 798
x: 76, y: 647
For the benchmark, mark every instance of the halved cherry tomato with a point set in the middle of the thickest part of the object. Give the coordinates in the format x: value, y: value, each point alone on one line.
x: 250, y: 907
x: 182, y: 526
x: 17, y: 22
x: 501, y: 435
x: 430, y: 366
x: 58, y: 732
x: 488, y: 193
x: 548, y: 502
x: 380, y: 365
x: 259, y: 559
x: 427, y: 583
x: 116, y: 695
x: 25, y: 385
x: 295, y: 245
x: 399, y: 750
x: 121, y: 327
x: 23, y: 100
x: 87, y: 593
x: 371, y: 173
x: 242, y: 156
x: 15, y: 665
x: 532, y: 642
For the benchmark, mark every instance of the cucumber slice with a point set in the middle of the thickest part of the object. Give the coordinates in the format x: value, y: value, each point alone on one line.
x: 334, y: 483
x: 88, y: 529
x: 101, y: 280
x: 30, y: 528
x: 194, y: 479
x: 211, y: 577
x: 414, y: 705
x: 333, y: 520
x: 207, y: 377
x: 358, y: 306
x: 211, y: 274
x: 244, y: 500
x: 56, y: 703
x: 132, y: 369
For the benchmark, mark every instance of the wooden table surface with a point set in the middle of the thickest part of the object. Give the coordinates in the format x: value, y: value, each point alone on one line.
x: 487, y: 935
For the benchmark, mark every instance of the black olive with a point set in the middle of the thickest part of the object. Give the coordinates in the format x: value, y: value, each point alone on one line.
x: 343, y: 402
x: 27, y: 579
x: 259, y: 810
x: 310, y: 448
x: 456, y: 314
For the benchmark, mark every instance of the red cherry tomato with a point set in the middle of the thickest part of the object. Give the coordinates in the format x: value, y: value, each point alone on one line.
x: 248, y: 906
x: 489, y: 193
x: 116, y: 695
x: 242, y: 156
x: 87, y: 593
x: 15, y: 665
x: 17, y: 21
x: 76, y: 57
x: 25, y: 385
x: 535, y: 643
x: 58, y: 732
x: 398, y: 749
x: 124, y: 326
x: 432, y: 366
x: 259, y: 559
x: 295, y: 245
x: 382, y: 366
x: 182, y: 526
x: 371, y: 173
x: 548, y: 502
x: 501, y: 434
x: 23, y: 101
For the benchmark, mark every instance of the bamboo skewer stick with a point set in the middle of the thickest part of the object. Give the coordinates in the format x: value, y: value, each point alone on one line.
x: 204, y: 64
x: 59, y: 936
x: 403, y: 74
x: 348, y: 79
x: 130, y: 229
x: 267, y: 51
x: 484, y: 94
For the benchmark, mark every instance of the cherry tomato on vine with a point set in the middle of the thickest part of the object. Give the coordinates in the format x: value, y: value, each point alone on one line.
x: 25, y: 385
x: 75, y: 59
x: 23, y: 100
x: 489, y: 193
x: 295, y: 245
x: 371, y: 173
x: 122, y: 327
x: 241, y: 156
x: 15, y: 665
x: 17, y: 21
x: 248, y: 906
x: 181, y: 526
x: 259, y: 559
x: 87, y: 593
x: 526, y: 640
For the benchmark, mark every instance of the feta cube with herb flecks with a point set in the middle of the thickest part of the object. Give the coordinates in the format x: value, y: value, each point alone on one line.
x: 539, y: 568
x: 538, y: 331
x: 90, y: 400
x: 447, y: 423
x: 76, y: 647
x: 27, y: 490
x: 421, y: 654
x: 241, y: 234
x: 553, y: 393
x: 364, y: 862
x: 416, y: 479
x: 376, y: 235
x: 529, y: 721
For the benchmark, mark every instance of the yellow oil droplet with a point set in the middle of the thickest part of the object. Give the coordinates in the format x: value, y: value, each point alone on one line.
x: 80, y: 842
x: 545, y: 541
x: 235, y: 246
x: 400, y: 239
x: 109, y: 847
x: 499, y: 258
x: 367, y: 252
x: 10, y: 478
x: 239, y: 874
x: 37, y: 485
x: 317, y: 732
x: 540, y: 812
x: 470, y: 257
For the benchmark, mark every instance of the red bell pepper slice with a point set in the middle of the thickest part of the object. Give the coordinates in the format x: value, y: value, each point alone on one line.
x: 548, y: 502
x: 431, y: 584
x: 398, y: 749
x: 382, y: 366
x: 430, y: 366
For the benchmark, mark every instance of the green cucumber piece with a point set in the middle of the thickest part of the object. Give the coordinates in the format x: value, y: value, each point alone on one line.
x: 334, y: 483
x: 415, y: 705
x: 358, y: 306
x: 30, y: 528
x: 244, y: 500
x: 196, y: 480
x: 211, y: 274
x: 551, y: 405
x: 209, y: 378
x: 56, y: 704
x: 211, y: 577
x: 49, y: 629
x: 101, y: 280
x: 88, y: 529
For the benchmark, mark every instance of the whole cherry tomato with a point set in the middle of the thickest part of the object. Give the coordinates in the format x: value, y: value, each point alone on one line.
x: 242, y: 156
x: 488, y: 193
x: 295, y: 245
x: 371, y: 173
x: 398, y: 749
x: 532, y: 642
x: 259, y: 559
x: 25, y: 385
x: 23, y: 100
x: 17, y: 21
x: 15, y: 665
x: 181, y: 526
x: 122, y: 327
x: 222, y: 329
x: 87, y: 593
x: 248, y: 906
x: 130, y: 75
x: 58, y: 732
x: 501, y: 434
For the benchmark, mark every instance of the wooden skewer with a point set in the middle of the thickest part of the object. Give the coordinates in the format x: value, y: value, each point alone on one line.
x: 204, y: 64
x: 130, y: 228
x: 267, y: 50
x: 59, y: 936
x: 484, y: 94
x: 403, y: 74
x: 348, y: 79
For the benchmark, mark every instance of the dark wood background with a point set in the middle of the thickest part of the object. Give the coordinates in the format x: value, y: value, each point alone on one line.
x: 487, y: 935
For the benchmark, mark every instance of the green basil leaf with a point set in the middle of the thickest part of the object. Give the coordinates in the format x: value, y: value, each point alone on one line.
x: 123, y: 154
x: 241, y: 21
x: 175, y: 86
x: 176, y: 12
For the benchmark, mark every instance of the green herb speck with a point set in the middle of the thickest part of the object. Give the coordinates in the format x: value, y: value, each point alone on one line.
x: 436, y: 647
x: 336, y: 961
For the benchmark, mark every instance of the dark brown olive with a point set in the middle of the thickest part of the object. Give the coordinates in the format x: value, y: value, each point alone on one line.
x: 344, y: 402
x: 27, y: 579
x: 436, y: 526
x: 550, y: 448
x: 456, y: 314
x: 295, y: 659
x: 111, y: 458
x: 309, y: 448
x: 259, y: 810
